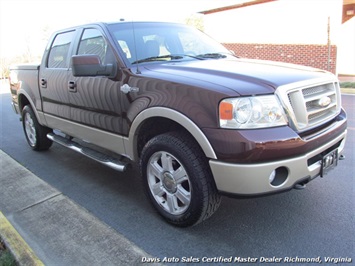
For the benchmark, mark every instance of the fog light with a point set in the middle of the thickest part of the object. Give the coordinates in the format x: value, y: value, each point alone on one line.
x: 278, y: 177
x: 272, y: 177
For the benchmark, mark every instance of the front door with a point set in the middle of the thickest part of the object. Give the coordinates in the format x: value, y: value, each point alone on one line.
x: 95, y: 101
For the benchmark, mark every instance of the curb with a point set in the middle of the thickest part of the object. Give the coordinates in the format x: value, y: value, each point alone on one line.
x: 23, y: 254
x: 347, y: 90
x: 43, y: 223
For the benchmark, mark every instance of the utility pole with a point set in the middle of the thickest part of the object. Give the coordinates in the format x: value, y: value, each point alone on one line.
x: 329, y: 45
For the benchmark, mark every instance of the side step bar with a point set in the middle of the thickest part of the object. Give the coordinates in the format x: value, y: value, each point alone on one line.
x: 95, y: 155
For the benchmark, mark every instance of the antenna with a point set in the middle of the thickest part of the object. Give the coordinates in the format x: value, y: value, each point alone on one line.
x: 135, y: 48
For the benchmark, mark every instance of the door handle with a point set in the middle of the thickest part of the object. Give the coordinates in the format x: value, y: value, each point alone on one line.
x: 43, y: 83
x: 125, y: 88
x: 72, y: 86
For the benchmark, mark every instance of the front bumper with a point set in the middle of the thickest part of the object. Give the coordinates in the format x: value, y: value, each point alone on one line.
x: 253, y: 179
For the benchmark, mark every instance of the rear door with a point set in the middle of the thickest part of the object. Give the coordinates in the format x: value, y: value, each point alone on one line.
x: 95, y: 101
x: 53, y: 77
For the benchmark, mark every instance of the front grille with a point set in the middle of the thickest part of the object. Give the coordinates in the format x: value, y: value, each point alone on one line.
x: 310, y: 106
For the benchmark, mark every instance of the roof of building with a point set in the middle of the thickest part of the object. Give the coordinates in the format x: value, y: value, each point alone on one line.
x: 240, y: 5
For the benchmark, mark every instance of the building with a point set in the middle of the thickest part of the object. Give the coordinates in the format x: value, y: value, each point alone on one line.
x: 309, y: 32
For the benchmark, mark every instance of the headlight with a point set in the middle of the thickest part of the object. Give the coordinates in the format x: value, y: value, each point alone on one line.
x: 251, y: 112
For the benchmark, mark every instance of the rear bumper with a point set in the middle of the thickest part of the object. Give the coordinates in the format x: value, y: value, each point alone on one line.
x: 253, y: 179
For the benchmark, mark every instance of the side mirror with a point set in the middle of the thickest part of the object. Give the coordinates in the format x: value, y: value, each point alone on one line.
x: 90, y: 66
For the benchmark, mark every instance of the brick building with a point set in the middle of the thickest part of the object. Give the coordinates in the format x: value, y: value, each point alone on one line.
x: 313, y: 55
x: 314, y: 33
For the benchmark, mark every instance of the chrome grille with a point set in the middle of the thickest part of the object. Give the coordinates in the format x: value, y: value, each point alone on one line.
x: 310, y: 106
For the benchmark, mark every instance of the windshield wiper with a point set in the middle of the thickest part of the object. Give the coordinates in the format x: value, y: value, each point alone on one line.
x: 178, y: 56
x: 157, y: 58
x: 211, y: 55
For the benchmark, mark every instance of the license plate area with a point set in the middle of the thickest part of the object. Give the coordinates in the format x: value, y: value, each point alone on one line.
x: 329, y: 161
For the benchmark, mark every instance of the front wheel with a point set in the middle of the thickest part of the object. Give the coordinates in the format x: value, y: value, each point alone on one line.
x: 178, y: 180
x: 36, y: 135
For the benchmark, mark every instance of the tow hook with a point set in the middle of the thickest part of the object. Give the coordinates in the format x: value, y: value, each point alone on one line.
x: 341, y: 157
x: 300, y: 186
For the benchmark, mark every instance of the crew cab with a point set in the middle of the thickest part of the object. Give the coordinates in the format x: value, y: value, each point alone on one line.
x: 199, y: 121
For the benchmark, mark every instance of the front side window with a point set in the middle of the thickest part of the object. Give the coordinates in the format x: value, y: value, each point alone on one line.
x: 58, y: 54
x: 92, y: 42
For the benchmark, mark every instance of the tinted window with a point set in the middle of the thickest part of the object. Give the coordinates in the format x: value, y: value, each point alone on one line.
x: 58, y: 55
x: 143, y: 40
x: 92, y: 42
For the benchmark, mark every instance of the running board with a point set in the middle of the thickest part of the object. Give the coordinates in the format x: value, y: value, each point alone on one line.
x: 92, y: 154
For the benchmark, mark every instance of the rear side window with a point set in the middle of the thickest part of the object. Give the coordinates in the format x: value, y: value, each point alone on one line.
x: 58, y: 54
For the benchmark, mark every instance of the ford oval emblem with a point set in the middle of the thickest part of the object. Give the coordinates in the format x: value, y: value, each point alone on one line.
x: 324, y: 101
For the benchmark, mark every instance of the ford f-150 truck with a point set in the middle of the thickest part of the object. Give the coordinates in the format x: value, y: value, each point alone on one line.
x: 199, y: 121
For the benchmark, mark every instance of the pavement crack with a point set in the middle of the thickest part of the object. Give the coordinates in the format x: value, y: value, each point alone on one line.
x: 41, y: 201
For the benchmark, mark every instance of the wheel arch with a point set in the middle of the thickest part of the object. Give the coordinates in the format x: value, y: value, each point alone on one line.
x: 158, y: 120
x: 24, y: 99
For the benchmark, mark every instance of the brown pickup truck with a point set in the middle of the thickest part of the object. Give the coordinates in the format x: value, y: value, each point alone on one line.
x: 198, y: 120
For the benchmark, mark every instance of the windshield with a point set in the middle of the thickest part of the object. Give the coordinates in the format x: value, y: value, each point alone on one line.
x: 148, y: 42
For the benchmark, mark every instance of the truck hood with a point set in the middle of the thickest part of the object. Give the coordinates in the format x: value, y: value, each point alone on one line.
x: 243, y: 76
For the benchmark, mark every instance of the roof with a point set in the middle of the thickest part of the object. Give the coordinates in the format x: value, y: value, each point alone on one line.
x: 348, y: 10
x: 244, y: 4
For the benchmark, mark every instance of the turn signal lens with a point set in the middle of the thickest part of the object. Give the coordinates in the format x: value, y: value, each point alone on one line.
x: 226, y: 111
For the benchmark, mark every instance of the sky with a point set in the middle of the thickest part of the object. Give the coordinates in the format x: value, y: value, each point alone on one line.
x: 27, y: 24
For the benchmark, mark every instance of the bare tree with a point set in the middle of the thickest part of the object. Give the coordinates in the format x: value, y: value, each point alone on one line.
x: 196, y: 21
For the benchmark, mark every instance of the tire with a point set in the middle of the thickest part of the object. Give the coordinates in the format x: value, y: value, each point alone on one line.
x: 177, y: 179
x: 36, y: 135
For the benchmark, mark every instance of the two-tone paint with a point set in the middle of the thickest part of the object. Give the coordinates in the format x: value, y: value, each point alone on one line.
x: 187, y: 95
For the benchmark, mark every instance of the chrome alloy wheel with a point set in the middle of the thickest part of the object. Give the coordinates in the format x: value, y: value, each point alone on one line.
x: 30, y: 129
x: 169, y: 183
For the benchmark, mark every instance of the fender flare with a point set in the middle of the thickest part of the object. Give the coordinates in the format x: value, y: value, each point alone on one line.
x: 23, y: 93
x: 180, y: 118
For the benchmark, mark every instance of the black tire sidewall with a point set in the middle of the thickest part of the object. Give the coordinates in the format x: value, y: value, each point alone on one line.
x: 193, y: 162
x: 42, y: 142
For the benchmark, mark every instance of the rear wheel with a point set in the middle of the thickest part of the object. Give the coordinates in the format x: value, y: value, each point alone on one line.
x: 178, y: 180
x: 36, y: 135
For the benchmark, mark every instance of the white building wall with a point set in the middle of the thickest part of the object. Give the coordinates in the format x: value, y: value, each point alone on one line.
x: 346, y: 48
